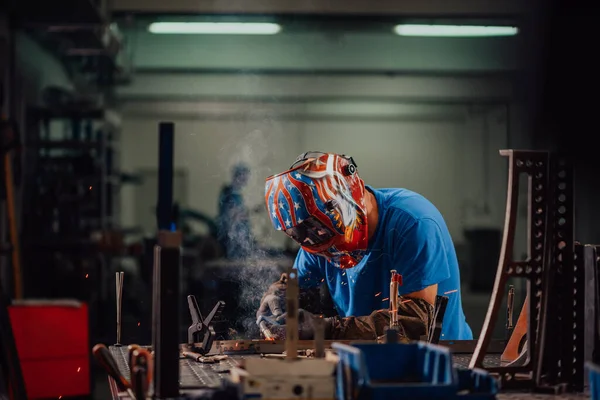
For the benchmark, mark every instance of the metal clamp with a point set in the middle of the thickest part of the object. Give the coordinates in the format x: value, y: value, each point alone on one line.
x: 201, y: 327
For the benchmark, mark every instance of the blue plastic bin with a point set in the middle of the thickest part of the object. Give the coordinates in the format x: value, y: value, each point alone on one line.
x: 594, y: 380
x: 406, y: 371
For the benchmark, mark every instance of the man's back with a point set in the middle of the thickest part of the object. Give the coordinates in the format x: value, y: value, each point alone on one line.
x: 411, y: 237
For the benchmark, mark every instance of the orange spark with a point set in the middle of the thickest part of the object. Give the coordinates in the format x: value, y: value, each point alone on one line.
x: 405, y: 301
x: 377, y: 294
x: 451, y: 291
x: 386, y: 299
x: 86, y: 276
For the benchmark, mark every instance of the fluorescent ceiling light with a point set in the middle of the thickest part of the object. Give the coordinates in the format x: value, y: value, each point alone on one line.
x: 455, y: 30
x: 215, y: 28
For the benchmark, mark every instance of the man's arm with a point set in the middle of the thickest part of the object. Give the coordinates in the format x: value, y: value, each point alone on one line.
x: 422, y: 257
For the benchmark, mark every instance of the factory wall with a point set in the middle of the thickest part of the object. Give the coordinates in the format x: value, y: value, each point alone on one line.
x: 446, y: 150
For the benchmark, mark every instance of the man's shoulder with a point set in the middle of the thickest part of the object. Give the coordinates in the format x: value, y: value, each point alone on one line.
x: 406, y: 203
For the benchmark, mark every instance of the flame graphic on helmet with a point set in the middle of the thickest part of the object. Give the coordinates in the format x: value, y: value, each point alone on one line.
x: 332, y: 185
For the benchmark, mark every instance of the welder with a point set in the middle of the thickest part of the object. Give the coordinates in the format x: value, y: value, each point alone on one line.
x: 351, y: 237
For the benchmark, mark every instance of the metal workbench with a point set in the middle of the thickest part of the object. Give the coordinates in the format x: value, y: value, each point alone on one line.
x: 194, y: 375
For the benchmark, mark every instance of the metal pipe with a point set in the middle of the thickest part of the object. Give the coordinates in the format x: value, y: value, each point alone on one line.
x: 119, y: 292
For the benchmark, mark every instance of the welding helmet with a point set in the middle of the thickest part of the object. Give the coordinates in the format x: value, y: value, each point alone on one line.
x: 320, y: 203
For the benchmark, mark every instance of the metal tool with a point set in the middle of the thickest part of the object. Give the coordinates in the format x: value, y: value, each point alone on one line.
x: 119, y: 290
x: 107, y: 361
x: 291, y: 323
x: 202, y: 327
x: 264, y: 329
x: 394, y: 281
x: 439, y: 311
x: 510, y: 303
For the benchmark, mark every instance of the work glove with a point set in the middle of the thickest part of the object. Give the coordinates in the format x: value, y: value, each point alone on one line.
x: 272, y: 304
x: 414, y: 317
x: 306, y: 327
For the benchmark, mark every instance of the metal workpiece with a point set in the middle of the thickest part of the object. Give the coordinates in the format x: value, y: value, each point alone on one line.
x: 553, y: 305
x: 119, y: 276
x: 291, y: 323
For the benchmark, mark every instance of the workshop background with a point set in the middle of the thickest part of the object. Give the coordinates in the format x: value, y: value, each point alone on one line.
x: 86, y: 83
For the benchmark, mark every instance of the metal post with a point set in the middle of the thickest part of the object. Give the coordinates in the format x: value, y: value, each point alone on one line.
x: 167, y: 264
x: 164, y: 207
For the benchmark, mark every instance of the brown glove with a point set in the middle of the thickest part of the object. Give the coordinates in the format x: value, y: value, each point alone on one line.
x: 272, y: 303
x: 414, y: 317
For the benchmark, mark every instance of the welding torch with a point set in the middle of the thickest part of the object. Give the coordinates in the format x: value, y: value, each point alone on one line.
x: 264, y: 328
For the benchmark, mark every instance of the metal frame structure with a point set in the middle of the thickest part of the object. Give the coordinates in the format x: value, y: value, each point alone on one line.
x: 555, y: 306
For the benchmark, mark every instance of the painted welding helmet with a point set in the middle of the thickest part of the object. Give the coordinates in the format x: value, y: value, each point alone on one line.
x: 319, y: 202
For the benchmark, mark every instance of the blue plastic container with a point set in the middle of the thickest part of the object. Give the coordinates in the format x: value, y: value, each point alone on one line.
x: 406, y: 371
x: 594, y: 380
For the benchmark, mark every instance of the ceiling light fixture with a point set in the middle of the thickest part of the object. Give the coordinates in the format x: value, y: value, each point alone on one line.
x: 215, y: 28
x: 454, y: 30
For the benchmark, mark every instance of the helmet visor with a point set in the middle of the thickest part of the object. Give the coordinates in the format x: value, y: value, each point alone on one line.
x: 310, y: 233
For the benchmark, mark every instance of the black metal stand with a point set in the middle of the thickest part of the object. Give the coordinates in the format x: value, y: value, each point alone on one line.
x: 167, y: 265
x: 555, y: 274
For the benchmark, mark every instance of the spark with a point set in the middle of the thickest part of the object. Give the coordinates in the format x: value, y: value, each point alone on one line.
x: 377, y: 294
x: 386, y: 299
x: 405, y: 301
x: 138, y: 324
x: 86, y: 276
x: 78, y: 369
x: 451, y: 291
x: 322, y: 279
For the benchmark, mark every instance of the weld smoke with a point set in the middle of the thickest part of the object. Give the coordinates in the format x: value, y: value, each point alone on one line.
x: 259, y: 133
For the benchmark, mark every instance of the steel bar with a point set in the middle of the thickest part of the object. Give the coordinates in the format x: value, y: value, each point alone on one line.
x: 119, y: 292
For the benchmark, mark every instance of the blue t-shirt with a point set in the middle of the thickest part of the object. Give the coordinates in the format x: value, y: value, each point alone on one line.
x: 412, y: 238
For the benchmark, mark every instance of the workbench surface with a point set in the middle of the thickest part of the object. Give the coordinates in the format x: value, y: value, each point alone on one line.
x: 194, y: 375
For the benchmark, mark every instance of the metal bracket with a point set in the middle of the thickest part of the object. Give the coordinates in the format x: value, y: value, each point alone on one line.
x: 555, y: 281
x: 435, y: 329
x: 202, y: 327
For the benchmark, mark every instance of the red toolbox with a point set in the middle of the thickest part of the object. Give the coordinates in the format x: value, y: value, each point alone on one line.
x: 52, y: 341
